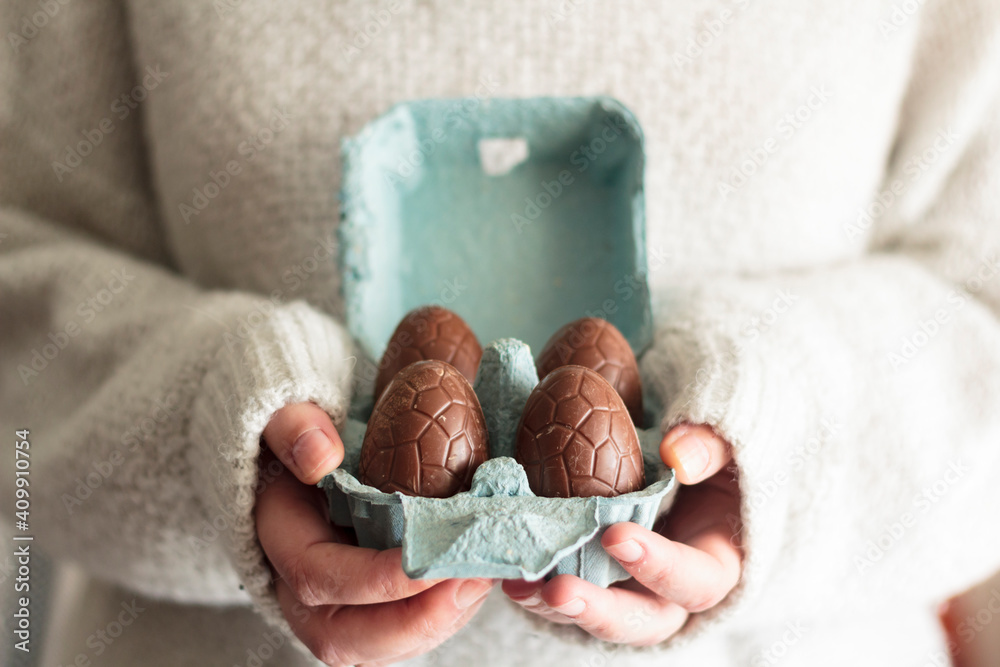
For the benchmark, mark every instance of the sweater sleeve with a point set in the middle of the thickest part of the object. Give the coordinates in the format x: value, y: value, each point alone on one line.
x: 860, y: 398
x: 145, y: 395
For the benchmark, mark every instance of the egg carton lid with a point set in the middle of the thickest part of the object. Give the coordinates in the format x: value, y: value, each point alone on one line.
x: 518, y: 214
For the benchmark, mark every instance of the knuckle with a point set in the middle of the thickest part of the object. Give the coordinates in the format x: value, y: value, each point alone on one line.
x: 327, y: 653
x: 384, y: 584
x: 652, y: 640
x: 666, y: 622
x: 606, y: 630
x: 301, y: 583
x: 277, y: 431
x: 427, y: 630
x: 705, y: 602
x: 321, y: 646
x: 662, y: 577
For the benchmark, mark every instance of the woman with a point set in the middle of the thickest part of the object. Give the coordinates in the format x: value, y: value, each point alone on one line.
x: 821, y: 176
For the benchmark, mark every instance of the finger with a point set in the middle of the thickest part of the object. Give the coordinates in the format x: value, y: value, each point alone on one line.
x: 697, y: 508
x: 695, y: 452
x: 614, y: 614
x: 349, y: 635
x: 419, y: 650
x: 305, y: 440
x: 528, y: 594
x: 301, y: 545
x: 695, y: 576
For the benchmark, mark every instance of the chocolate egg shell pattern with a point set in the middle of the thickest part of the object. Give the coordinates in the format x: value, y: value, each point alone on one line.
x: 575, y: 437
x: 427, y: 434
x: 429, y: 332
x: 598, y: 345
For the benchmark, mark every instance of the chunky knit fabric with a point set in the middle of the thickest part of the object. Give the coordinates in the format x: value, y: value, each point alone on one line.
x: 823, y: 194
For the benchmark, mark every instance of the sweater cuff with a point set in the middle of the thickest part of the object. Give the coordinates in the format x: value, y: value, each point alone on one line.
x: 708, y: 374
x: 274, y: 356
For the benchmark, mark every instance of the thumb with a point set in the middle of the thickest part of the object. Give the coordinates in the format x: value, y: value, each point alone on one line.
x: 695, y: 452
x: 305, y: 441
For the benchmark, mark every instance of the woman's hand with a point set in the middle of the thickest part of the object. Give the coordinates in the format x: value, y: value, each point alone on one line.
x: 688, y: 565
x: 348, y: 605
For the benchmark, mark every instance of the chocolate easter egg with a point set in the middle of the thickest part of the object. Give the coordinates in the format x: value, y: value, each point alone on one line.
x: 575, y: 437
x: 598, y: 345
x: 429, y: 332
x: 426, y: 435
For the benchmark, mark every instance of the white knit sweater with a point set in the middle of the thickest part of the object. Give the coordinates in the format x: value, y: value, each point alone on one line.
x: 823, y: 185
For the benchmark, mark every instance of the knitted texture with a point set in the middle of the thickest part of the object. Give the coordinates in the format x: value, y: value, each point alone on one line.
x: 821, y: 194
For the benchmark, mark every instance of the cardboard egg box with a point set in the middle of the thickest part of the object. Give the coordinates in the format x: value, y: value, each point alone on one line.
x: 520, y: 215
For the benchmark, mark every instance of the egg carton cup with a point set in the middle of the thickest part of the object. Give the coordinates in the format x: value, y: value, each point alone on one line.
x: 499, y: 528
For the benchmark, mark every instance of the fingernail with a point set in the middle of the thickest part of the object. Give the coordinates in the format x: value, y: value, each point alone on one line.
x: 520, y: 589
x: 628, y: 551
x: 574, y: 607
x: 312, y: 453
x: 530, y: 601
x: 691, y: 455
x: 471, y: 592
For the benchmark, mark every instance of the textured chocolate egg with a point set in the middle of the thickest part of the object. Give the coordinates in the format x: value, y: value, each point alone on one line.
x: 429, y: 332
x: 575, y: 437
x: 427, y: 434
x: 598, y: 345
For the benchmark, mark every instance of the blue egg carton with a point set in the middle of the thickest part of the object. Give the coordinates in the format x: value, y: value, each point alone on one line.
x: 520, y: 215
